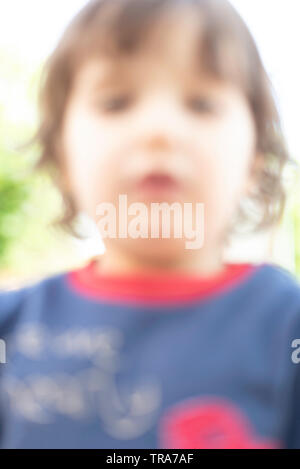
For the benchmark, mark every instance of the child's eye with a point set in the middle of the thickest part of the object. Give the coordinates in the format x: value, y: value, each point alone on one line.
x: 114, y: 104
x: 202, y: 104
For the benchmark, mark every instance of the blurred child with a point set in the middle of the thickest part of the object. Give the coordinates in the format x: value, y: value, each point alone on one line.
x: 154, y: 344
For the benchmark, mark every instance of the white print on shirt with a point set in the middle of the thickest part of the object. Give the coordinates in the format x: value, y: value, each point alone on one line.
x: 126, y: 411
x: 99, y: 345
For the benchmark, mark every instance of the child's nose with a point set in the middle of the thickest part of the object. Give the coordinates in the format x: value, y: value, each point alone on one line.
x: 162, y: 123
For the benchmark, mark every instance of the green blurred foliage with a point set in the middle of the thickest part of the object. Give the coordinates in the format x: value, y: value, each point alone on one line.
x: 29, y: 201
x: 13, y: 195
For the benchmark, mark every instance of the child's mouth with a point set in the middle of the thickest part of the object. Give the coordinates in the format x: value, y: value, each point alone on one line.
x: 158, y: 183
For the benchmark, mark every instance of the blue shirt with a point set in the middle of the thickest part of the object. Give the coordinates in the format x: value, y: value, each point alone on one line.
x: 99, y: 361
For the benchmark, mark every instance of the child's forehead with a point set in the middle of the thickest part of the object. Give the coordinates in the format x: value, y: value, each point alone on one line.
x: 101, y: 75
x: 102, y: 71
x: 145, y: 66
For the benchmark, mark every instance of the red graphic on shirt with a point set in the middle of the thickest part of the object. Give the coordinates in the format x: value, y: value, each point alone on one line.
x: 200, y: 423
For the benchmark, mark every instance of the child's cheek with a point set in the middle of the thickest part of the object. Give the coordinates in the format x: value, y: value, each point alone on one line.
x: 89, y: 152
x: 225, y: 151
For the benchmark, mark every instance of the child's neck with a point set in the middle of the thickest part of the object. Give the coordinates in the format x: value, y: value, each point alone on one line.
x: 115, y: 262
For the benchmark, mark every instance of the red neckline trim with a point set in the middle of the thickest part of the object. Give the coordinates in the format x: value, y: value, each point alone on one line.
x: 162, y: 288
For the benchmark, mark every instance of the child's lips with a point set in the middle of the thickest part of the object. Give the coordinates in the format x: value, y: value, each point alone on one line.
x: 158, y: 183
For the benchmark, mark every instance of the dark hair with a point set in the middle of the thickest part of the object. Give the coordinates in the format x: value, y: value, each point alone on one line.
x: 225, y: 47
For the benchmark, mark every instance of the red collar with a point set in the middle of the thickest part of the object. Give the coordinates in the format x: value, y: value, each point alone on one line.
x: 149, y: 288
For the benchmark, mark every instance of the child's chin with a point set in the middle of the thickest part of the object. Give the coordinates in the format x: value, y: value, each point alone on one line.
x: 155, y: 250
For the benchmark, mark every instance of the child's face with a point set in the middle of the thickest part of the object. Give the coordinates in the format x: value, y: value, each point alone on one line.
x: 153, y: 113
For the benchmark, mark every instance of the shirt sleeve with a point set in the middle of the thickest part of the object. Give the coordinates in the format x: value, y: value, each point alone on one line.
x: 10, y: 308
x: 10, y: 311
